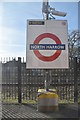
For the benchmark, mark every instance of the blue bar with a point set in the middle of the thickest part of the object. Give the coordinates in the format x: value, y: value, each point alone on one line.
x: 47, y: 46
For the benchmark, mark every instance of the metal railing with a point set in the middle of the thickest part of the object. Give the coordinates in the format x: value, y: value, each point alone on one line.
x: 21, y: 85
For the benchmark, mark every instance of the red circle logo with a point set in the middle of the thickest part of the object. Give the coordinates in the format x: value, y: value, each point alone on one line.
x: 47, y: 58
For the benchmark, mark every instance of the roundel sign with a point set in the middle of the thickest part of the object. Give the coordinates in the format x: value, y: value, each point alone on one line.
x: 47, y: 44
x: 45, y: 58
x: 36, y: 47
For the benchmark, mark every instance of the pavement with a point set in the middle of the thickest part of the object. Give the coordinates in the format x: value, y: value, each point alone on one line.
x: 22, y: 111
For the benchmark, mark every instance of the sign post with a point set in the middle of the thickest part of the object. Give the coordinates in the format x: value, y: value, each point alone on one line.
x: 47, y: 42
x: 47, y: 45
x: 47, y: 73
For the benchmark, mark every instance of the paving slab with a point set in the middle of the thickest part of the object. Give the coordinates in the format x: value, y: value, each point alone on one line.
x: 15, y: 111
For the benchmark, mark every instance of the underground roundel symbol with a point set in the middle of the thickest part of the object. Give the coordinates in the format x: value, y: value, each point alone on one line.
x: 47, y: 58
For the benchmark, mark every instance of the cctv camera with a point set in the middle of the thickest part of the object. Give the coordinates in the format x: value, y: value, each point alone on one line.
x: 58, y: 13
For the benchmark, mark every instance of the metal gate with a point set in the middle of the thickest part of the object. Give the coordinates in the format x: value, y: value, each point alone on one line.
x: 20, y: 85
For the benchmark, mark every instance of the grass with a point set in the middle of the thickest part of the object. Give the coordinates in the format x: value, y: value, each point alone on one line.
x: 66, y: 101
x: 33, y: 101
x: 29, y: 102
x: 9, y: 100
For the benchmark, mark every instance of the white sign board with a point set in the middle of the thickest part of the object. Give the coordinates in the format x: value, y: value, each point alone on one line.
x: 47, y: 44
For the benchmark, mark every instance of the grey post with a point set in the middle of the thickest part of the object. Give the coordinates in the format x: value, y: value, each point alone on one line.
x: 75, y: 81
x: 47, y: 73
x: 19, y: 80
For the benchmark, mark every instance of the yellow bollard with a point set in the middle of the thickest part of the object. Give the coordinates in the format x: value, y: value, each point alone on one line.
x: 47, y: 100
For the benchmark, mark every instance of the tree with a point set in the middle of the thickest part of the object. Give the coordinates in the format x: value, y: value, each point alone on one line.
x: 74, y: 44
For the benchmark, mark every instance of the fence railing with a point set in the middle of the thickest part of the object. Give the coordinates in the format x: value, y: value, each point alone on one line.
x: 21, y: 85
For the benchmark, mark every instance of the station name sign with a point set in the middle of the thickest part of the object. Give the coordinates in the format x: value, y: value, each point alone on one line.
x: 47, y: 46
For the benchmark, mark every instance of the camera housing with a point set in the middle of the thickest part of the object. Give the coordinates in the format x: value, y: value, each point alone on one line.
x: 48, y: 10
x: 58, y: 13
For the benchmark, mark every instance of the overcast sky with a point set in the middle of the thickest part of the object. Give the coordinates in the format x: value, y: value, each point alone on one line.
x: 13, y: 22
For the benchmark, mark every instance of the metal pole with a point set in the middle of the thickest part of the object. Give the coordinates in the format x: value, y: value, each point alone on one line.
x: 47, y: 73
x: 47, y: 14
x: 19, y: 80
x: 75, y: 81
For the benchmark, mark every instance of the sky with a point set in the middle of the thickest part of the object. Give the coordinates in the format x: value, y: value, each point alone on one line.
x: 13, y: 23
x: 79, y: 16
